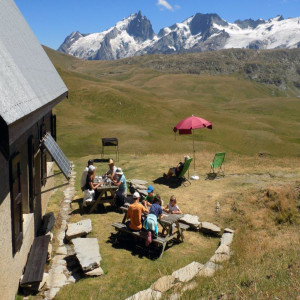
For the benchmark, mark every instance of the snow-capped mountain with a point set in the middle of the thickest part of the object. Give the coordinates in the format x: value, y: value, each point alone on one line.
x: 202, y: 32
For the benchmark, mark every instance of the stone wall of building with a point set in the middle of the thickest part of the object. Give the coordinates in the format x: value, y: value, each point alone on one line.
x: 12, y: 266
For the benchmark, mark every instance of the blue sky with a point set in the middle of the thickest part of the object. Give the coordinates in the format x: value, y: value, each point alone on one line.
x: 53, y: 20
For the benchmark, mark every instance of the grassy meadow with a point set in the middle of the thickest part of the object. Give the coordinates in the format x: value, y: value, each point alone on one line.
x: 141, y: 106
x: 258, y: 128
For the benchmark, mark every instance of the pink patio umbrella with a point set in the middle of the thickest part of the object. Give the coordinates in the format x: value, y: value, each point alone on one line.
x: 188, y: 125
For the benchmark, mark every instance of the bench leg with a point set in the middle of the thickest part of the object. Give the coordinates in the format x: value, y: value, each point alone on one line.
x: 115, y: 242
x: 163, y: 249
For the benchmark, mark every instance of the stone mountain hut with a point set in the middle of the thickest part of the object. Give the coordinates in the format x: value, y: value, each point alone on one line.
x: 30, y: 87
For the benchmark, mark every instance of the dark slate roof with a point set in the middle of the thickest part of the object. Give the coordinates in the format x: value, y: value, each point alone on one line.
x: 28, y: 80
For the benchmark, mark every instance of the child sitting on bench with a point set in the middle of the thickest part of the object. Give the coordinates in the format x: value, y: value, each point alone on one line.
x: 172, y: 207
x: 150, y: 223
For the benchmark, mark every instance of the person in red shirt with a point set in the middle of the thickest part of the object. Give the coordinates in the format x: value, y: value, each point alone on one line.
x: 134, y: 213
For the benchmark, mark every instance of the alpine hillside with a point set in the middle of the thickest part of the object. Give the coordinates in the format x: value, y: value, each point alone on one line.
x: 202, y: 32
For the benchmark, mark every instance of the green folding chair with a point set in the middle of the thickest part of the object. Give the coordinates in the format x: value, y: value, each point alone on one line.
x: 218, y: 163
x: 186, y: 166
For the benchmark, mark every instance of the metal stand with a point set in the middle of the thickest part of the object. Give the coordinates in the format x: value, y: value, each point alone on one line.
x: 110, y: 142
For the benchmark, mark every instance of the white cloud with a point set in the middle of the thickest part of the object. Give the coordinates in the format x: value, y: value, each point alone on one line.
x: 165, y: 4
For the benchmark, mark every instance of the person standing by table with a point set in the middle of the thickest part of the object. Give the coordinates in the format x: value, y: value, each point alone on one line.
x: 111, y: 173
x: 121, y: 193
x: 134, y: 213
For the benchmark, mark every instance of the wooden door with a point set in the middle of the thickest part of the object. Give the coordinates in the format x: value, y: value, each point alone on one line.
x: 31, y: 171
x: 16, y: 203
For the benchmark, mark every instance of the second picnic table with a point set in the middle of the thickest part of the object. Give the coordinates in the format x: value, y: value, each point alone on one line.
x: 170, y: 222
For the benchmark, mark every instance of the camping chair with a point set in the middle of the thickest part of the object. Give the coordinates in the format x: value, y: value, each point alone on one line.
x: 218, y: 163
x: 184, y: 170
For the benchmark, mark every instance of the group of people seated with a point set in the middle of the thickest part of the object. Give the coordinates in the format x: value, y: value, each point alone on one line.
x: 145, y: 214
x: 141, y: 214
x: 113, y: 176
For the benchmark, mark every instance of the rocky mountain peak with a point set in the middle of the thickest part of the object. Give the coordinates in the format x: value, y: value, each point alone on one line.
x: 201, y: 23
x: 249, y: 23
x: 69, y: 40
x: 140, y: 28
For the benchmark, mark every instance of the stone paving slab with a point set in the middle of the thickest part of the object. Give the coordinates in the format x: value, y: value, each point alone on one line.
x: 188, y: 272
x: 148, y: 294
x: 95, y: 272
x: 78, y: 229
x: 210, y: 228
x: 87, y: 253
x: 163, y: 284
x: 209, y: 269
x: 191, y: 220
x: 226, y: 239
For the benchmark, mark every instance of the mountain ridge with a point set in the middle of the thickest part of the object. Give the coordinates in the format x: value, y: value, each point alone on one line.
x: 202, y: 32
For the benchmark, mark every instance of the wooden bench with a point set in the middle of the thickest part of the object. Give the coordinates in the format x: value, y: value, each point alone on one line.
x: 35, y: 265
x: 122, y: 228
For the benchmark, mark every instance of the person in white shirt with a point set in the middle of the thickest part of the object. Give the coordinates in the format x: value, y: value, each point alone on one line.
x: 111, y: 173
x: 84, y: 174
x: 172, y: 207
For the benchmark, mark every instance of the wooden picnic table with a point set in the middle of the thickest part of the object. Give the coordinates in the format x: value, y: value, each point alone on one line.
x: 103, y: 197
x: 170, y: 222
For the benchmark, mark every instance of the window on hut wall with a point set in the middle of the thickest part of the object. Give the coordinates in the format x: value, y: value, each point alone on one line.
x: 16, y: 203
x: 43, y: 156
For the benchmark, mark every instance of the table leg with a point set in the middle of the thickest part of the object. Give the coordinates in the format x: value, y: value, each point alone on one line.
x: 179, y: 232
x: 97, y: 201
x: 113, y: 194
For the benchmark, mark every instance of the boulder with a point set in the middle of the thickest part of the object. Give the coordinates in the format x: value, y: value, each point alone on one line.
x: 226, y: 239
x: 209, y: 269
x: 210, y: 228
x: 163, y: 284
x: 95, y: 272
x: 148, y: 294
x: 87, y: 253
x: 78, y: 229
x: 191, y: 220
x: 188, y: 272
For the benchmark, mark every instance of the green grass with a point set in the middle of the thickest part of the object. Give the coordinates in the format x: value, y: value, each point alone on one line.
x: 139, y: 103
x: 140, y: 106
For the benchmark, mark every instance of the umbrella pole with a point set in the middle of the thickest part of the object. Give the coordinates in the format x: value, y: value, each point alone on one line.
x: 194, y: 154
